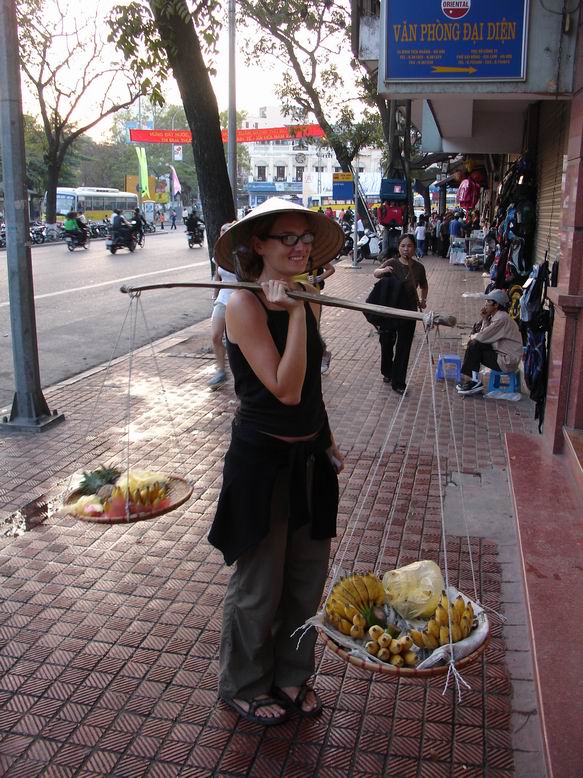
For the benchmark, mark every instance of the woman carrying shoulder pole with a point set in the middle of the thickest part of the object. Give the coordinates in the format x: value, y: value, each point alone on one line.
x: 277, y: 508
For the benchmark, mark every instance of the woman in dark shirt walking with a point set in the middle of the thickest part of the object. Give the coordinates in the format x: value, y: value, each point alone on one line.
x: 277, y: 508
x: 396, y: 341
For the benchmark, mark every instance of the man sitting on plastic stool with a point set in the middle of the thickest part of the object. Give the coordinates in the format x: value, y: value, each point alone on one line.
x: 497, y: 344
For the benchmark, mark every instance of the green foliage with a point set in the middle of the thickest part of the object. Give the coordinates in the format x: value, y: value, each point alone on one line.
x: 311, y: 38
x: 74, y: 78
x: 136, y: 35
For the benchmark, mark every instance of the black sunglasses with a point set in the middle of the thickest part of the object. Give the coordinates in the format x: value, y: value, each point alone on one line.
x: 292, y: 240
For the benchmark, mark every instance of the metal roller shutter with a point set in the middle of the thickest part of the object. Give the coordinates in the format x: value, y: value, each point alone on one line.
x: 551, y: 157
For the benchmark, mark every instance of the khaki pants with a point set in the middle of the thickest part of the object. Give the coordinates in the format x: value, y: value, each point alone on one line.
x: 275, y: 587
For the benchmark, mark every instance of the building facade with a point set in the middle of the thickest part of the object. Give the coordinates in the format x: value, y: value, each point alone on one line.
x: 299, y: 169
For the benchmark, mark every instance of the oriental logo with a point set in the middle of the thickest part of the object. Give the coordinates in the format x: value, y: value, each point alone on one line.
x: 455, y: 9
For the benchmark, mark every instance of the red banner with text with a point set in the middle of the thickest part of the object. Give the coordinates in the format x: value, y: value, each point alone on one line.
x: 243, y: 136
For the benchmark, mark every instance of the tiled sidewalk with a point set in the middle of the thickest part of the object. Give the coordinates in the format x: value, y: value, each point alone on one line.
x: 109, y: 635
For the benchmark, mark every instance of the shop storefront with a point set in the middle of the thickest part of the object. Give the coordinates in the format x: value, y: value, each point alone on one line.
x: 505, y: 82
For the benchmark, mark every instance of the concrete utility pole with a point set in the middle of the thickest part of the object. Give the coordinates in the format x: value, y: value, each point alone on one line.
x: 355, y: 227
x: 232, y: 119
x: 29, y: 412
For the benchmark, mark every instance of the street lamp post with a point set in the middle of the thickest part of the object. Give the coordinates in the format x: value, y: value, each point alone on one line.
x: 232, y: 116
x: 30, y: 411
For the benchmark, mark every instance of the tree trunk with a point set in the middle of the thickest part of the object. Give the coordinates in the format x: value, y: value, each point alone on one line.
x: 185, y: 57
x: 427, y: 200
x: 53, y: 170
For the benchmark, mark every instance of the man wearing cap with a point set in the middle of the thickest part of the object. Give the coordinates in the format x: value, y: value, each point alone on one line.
x: 497, y: 344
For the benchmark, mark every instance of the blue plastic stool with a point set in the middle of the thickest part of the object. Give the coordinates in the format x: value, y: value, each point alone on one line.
x: 510, y: 386
x: 444, y: 364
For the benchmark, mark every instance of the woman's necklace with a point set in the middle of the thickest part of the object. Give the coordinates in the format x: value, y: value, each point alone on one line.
x: 405, y: 262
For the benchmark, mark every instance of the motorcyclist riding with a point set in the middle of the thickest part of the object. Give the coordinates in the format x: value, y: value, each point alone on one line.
x: 194, y: 222
x: 75, y: 227
x: 138, y: 224
x: 120, y: 227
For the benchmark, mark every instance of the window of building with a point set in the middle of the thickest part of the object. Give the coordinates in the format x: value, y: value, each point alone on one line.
x: 337, y: 169
x: 281, y: 142
x: 280, y: 172
x: 256, y: 125
x: 361, y: 170
x: 262, y: 172
x: 263, y: 113
x: 319, y: 168
x: 246, y: 125
x: 299, y: 173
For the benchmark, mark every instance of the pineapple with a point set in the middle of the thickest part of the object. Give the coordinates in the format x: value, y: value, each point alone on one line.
x: 92, y: 481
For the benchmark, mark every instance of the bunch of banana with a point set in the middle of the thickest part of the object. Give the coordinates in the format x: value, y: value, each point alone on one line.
x: 437, y: 631
x: 144, y: 499
x: 355, y: 603
x: 396, y: 651
x: 141, y: 479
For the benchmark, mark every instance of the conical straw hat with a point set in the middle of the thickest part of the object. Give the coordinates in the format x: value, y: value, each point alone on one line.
x: 329, y: 237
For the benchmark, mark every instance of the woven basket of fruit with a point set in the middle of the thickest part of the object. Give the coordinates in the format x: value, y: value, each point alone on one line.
x: 361, y: 624
x: 108, y: 496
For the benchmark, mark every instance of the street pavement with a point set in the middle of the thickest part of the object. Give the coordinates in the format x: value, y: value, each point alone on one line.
x: 109, y: 634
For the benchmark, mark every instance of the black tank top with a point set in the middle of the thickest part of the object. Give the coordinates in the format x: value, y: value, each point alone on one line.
x: 258, y: 407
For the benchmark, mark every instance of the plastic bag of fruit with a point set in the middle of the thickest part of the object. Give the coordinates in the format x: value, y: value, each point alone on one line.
x: 414, y: 590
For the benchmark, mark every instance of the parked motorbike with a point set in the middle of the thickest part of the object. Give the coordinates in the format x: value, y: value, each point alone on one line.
x: 37, y: 232
x: 368, y: 247
x: 196, y: 236
x: 348, y: 239
x: 150, y: 228
x: 124, y: 239
x: 77, y: 240
x: 98, y: 229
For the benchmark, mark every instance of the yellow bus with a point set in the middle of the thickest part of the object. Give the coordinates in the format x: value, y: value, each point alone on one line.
x: 95, y: 202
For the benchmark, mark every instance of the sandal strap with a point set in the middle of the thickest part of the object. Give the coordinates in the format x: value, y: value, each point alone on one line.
x: 263, y: 702
x: 302, y: 694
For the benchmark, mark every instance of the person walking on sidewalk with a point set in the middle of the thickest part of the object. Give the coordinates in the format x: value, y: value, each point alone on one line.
x: 173, y: 219
x: 420, y: 230
x: 277, y: 508
x: 221, y: 298
x: 396, y: 342
x: 497, y: 344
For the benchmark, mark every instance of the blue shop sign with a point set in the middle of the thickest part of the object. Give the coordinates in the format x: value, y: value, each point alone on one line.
x: 456, y: 40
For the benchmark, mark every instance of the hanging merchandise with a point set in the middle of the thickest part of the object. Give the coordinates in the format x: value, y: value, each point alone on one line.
x: 537, y: 321
x: 479, y: 177
x: 468, y: 193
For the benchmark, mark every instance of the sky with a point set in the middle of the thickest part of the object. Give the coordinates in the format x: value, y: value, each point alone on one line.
x: 255, y: 85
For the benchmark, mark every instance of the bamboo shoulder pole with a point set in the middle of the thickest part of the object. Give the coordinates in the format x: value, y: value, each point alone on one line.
x: 321, y: 299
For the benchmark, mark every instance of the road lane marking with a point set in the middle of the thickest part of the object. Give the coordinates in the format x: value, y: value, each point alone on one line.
x: 114, y: 281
